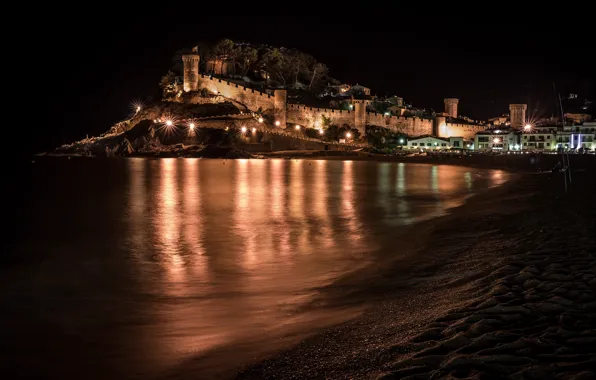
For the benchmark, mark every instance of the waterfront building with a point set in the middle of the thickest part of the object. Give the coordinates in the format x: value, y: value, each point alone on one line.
x: 497, y: 139
x: 431, y: 142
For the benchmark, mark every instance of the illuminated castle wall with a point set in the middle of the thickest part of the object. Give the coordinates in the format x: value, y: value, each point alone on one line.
x: 285, y: 113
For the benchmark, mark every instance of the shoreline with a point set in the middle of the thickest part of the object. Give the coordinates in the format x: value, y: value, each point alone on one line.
x: 492, y: 298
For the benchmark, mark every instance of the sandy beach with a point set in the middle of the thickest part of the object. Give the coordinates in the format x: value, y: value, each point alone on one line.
x: 503, y: 287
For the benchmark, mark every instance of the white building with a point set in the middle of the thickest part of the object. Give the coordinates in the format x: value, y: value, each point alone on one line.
x: 431, y: 142
x: 497, y: 140
x: 577, y: 136
x: 539, y: 139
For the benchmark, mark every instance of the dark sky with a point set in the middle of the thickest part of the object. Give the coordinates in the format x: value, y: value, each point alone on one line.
x: 95, y: 69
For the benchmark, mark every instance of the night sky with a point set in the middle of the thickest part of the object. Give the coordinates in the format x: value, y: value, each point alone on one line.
x: 97, y: 68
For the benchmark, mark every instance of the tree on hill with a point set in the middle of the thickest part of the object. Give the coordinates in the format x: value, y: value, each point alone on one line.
x: 319, y: 71
x: 288, y: 67
x: 247, y: 56
x: 223, y: 51
x: 167, y: 83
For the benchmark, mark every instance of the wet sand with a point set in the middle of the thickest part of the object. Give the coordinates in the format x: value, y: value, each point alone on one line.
x: 505, y: 286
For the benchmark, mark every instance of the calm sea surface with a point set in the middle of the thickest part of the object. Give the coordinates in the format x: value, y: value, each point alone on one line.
x: 141, y: 268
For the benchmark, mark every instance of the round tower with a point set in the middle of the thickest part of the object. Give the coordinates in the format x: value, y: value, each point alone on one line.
x: 451, y: 106
x: 280, y: 101
x: 191, y: 71
x: 360, y: 116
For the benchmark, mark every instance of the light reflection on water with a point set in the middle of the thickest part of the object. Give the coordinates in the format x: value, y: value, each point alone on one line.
x: 204, y: 254
x: 284, y: 229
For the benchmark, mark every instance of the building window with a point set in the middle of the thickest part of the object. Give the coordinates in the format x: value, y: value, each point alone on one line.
x: 414, y: 144
x: 525, y: 144
x: 429, y: 144
x: 443, y: 144
x: 547, y: 144
x: 456, y: 143
x: 548, y: 137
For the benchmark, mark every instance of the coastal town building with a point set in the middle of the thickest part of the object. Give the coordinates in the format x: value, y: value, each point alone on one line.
x: 432, y: 142
x: 499, y: 120
x: 578, y: 117
x: 577, y: 137
x: 497, y: 139
x: 539, y: 139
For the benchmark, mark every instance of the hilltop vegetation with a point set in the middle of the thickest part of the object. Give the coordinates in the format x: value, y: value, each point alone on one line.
x: 259, y: 64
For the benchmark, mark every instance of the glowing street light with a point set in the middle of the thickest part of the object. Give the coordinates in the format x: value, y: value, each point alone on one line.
x: 254, y: 130
x: 348, y: 135
x: 401, y: 141
x: 260, y: 120
x: 243, y: 129
x: 191, y: 126
x: 496, y: 140
x: 527, y: 127
x: 321, y: 132
x: 277, y: 123
x: 297, y: 127
x: 138, y: 108
x: 169, y: 123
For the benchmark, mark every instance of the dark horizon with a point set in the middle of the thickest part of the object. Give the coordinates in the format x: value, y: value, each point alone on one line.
x: 486, y: 68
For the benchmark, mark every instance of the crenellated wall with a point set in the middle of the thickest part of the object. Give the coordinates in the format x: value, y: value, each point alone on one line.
x: 467, y: 131
x: 411, y: 126
x: 311, y: 117
x: 252, y: 99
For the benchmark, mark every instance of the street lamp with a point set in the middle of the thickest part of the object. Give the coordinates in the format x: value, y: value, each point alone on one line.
x: 527, y: 127
x: 496, y: 140
x: 243, y: 129
x: 297, y: 127
x: 348, y: 135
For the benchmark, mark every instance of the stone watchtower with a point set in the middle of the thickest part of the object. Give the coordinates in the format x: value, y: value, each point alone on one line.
x: 517, y: 115
x: 191, y: 71
x: 451, y: 106
x: 280, y: 101
x: 360, y: 115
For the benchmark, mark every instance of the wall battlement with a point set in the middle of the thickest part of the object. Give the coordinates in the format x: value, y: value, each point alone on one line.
x: 311, y: 117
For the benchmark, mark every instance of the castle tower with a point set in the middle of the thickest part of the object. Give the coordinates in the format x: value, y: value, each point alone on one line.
x: 191, y: 72
x: 517, y: 115
x: 279, y: 105
x: 360, y: 116
x: 451, y: 106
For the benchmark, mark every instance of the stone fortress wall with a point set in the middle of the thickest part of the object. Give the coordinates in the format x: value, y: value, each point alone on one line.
x: 446, y: 129
x: 251, y: 98
x: 310, y: 117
